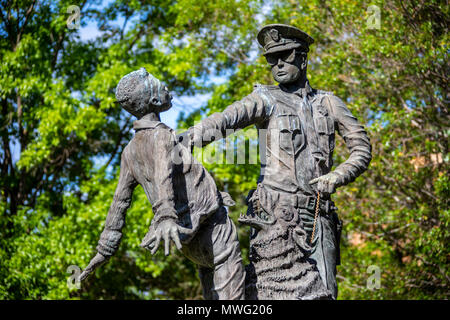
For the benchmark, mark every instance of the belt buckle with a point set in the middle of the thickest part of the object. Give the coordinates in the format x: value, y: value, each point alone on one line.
x: 311, y: 204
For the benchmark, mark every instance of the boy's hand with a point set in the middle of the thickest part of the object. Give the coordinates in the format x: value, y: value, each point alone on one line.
x: 167, y: 230
x: 97, y: 261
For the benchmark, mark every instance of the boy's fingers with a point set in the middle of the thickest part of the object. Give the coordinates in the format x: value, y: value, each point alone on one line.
x: 155, y: 248
x: 150, y: 244
x: 313, y: 181
x: 176, y: 238
x: 147, y: 241
x: 166, y: 243
x: 98, y: 260
x: 84, y: 274
x: 147, y: 237
x: 157, y: 241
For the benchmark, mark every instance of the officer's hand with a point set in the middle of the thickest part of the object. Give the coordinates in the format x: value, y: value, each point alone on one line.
x: 186, y: 140
x: 166, y: 230
x: 98, y: 260
x: 328, y: 183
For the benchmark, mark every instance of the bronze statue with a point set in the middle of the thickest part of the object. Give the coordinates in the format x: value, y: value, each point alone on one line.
x: 295, y: 228
x: 188, y: 208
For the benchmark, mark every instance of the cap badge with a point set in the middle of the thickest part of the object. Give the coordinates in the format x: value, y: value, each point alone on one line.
x: 274, y: 35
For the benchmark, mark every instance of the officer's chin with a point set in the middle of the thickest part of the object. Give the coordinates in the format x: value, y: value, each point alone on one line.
x: 285, y: 79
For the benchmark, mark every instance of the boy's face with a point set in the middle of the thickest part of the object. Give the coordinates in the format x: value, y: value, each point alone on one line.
x: 160, y: 95
x: 166, y: 98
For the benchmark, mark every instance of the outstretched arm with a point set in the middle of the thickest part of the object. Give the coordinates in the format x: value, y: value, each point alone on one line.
x: 115, y: 221
x: 250, y: 110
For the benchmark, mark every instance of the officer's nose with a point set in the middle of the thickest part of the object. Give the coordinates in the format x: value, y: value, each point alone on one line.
x: 280, y: 62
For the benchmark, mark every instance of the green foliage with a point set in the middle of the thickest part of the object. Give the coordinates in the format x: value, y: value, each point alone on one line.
x: 58, y: 112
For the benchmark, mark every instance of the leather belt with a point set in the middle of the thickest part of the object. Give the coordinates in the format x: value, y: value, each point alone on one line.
x: 309, y: 203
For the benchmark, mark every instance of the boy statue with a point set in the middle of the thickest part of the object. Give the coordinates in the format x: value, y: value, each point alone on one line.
x: 188, y: 208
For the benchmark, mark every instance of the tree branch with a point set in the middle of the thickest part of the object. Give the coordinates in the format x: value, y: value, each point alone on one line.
x: 27, y: 15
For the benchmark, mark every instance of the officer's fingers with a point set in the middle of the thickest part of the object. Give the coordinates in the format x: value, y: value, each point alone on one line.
x: 176, y: 238
x: 326, y: 187
x: 313, y: 181
x: 321, y: 185
x: 331, y: 187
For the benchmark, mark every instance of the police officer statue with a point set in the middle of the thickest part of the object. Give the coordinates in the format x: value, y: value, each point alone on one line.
x: 293, y: 219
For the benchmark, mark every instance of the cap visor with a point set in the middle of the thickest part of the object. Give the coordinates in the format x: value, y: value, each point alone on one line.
x: 286, y: 47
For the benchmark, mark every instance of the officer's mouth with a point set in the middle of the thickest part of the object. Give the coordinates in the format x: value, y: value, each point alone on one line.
x: 282, y: 73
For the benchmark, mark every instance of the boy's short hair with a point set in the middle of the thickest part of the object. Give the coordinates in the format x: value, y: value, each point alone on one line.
x: 139, y: 93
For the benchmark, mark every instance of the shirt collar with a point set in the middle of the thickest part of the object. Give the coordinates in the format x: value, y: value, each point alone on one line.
x: 145, y: 124
x: 301, y: 92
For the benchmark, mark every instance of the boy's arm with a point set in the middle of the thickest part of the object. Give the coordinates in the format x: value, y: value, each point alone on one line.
x: 115, y: 221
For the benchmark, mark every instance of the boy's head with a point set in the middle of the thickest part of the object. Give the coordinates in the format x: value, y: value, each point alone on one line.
x: 141, y: 93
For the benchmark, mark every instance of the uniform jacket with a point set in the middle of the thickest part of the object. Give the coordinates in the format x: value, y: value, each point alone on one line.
x: 297, y: 135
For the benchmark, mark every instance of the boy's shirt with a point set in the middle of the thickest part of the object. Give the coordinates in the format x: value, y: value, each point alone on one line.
x: 177, y: 186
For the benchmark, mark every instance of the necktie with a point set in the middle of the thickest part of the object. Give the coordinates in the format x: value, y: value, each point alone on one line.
x: 311, y: 133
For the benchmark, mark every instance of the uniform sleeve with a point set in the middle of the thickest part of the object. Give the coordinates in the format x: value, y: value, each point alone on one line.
x: 115, y: 221
x: 355, y: 138
x: 164, y: 206
x: 252, y: 109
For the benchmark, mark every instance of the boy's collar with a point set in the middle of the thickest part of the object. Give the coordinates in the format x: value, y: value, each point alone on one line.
x: 145, y: 124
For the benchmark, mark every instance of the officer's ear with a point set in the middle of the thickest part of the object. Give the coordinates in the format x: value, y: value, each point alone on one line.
x: 301, y: 57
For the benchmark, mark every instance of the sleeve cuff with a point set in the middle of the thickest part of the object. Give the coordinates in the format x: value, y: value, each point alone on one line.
x: 163, y: 214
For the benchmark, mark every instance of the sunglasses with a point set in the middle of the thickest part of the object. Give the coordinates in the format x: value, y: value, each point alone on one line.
x: 288, y: 57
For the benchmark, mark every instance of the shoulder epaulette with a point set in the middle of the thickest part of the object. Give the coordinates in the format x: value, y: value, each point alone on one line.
x: 263, y: 92
x: 324, y: 92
